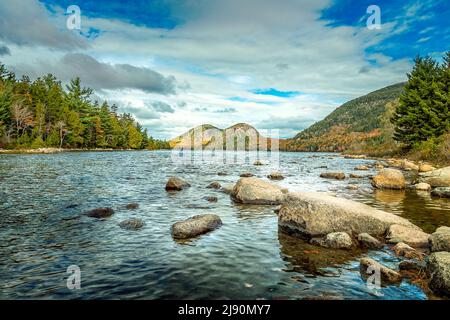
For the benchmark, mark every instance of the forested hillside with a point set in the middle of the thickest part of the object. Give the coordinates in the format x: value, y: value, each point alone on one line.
x: 358, y: 121
x: 44, y: 113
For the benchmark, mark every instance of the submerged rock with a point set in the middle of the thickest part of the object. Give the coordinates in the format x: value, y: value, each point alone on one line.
x: 369, y: 242
x: 196, y: 226
x: 132, y: 206
x: 388, y: 276
x: 313, y: 214
x: 408, y: 265
x: 335, y: 240
x: 176, y: 184
x: 440, y: 240
x: 413, y: 237
x: 389, y: 179
x: 362, y: 168
x: 438, y: 269
x: 258, y: 163
x: 257, y: 191
x: 436, y: 178
x: 132, y: 224
x: 211, y: 199
x: 352, y: 187
x: 275, y: 176
x: 100, y: 213
x: 442, y: 192
x: 356, y: 176
x: 333, y: 175
x: 214, y: 185
x: 222, y: 173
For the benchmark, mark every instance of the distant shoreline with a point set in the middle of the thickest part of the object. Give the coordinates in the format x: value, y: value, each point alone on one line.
x: 63, y: 150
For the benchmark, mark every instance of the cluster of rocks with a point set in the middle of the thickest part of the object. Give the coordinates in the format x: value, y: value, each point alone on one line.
x: 342, y: 224
x: 128, y: 224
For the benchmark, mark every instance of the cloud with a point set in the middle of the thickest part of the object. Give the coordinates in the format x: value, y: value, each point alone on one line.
x: 140, y: 113
x: 28, y: 23
x: 160, y: 106
x: 4, y: 51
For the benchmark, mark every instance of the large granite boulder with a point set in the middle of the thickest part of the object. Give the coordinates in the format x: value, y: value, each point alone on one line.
x: 313, y: 214
x: 413, y: 237
x: 195, y: 226
x: 436, y: 178
x: 256, y: 191
x: 440, y: 240
x: 438, y: 269
x: 389, y: 179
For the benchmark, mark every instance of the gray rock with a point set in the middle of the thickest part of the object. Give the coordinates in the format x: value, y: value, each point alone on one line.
x: 222, y: 173
x: 369, y: 242
x: 422, y: 186
x: 214, y: 185
x: 389, y: 179
x: 100, y: 213
x: 333, y: 175
x: 132, y: 206
x: 275, y: 176
x: 195, y: 226
x: 413, y: 237
x: 442, y: 192
x: 257, y: 191
x: 387, y: 275
x: 313, y: 214
x: 246, y: 175
x: 176, y: 184
x: 227, y: 188
x: 438, y: 269
x: 132, y: 224
x: 211, y: 199
x: 403, y: 250
x: 436, y: 178
x: 408, y: 265
x: 440, y: 240
x: 335, y: 240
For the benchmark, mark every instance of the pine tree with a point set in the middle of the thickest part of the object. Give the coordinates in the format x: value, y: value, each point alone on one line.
x: 418, y: 116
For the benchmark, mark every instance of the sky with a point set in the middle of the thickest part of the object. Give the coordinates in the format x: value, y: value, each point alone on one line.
x: 173, y: 64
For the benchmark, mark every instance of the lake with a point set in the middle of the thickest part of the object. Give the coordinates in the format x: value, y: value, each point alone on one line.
x: 42, y: 231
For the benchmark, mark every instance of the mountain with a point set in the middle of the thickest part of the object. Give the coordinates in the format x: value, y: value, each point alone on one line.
x: 360, y: 125
x: 207, y: 135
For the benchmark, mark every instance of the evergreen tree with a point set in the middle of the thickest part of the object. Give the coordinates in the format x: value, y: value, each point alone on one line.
x: 419, y: 115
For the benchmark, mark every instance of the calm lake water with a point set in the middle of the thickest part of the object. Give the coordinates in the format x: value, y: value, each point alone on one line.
x: 42, y: 232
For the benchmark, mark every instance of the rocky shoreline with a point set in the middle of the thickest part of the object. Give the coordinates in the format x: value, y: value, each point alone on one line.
x: 341, y: 224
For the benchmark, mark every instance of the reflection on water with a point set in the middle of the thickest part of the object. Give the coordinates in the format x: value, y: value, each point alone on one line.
x: 43, y: 231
